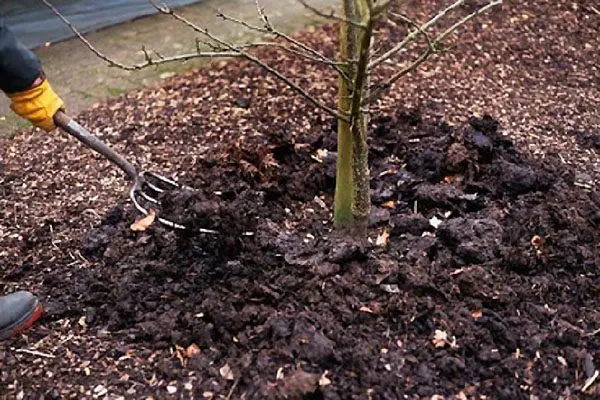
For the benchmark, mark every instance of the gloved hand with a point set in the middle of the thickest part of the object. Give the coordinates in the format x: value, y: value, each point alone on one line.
x: 38, y: 105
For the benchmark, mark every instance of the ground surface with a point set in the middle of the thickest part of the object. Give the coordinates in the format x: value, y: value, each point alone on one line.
x: 486, y: 286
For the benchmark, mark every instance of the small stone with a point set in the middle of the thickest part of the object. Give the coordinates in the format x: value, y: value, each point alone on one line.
x: 242, y: 102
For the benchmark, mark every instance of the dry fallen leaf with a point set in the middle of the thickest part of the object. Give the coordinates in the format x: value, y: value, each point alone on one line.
x: 449, y: 178
x: 226, y: 372
x: 389, y: 204
x: 440, y: 338
x: 179, y: 353
x: 324, y: 380
x: 365, y: 310
x: 383, y: 238
x: 191, y: 350
x: 537, y: 241
x: 298, y: 384
x: 144, y: 223
x: 435, y: 222
x: 476, y: 314
x: 391, y: 288
x: 391, y: 171
x: 279, y: 376
x: 320, y: 155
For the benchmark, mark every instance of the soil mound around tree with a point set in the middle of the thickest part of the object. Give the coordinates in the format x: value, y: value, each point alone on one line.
x: 479, y: 278
x: 475, y: 279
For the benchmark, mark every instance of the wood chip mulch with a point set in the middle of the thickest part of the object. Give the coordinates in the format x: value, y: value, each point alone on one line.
x: 533, y: 67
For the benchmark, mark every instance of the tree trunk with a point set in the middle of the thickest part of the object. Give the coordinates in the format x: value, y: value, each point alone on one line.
x: 344, y: 192
x: 361, y: 207
x: 353, y: 194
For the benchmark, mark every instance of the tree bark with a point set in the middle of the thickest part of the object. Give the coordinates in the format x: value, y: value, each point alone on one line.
x: 361, y: 207
x: 344, y: 192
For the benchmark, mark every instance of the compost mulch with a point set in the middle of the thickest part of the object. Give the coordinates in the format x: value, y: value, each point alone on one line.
x: 479, y: 278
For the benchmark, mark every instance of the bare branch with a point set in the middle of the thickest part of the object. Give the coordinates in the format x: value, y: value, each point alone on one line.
x: 415, y: 25
x: 263, y: 16
x: 379, y: 88
x: 431, y: 49
x: 269, y: 29
x: 284, y: 48
x: 467, y: 19
x: 148, y: 59
x: 252, y: 58
x: 331, y: 16
x: 411, y: 36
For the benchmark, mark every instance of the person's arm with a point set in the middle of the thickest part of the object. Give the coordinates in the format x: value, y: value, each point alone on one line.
x: 19, y: 67
x: 22, y: 79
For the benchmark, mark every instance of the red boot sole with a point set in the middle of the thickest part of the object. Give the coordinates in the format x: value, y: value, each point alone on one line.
x: 26, y: 324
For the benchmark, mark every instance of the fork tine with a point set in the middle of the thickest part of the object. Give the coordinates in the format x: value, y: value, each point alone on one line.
x: 168, y: 181
x: 162, y: 178
x: 154, y: 187
x: 138, y: 190
x: 173, y: 224
x: 148, y: 197
x: 137, y: 205
x: 132, y: 195
x: 80, y: 133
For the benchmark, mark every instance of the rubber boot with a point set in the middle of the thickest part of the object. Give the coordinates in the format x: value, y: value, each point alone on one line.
x: 18, y: 311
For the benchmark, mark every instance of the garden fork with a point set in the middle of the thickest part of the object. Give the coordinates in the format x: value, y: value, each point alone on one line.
x: 146, y: 185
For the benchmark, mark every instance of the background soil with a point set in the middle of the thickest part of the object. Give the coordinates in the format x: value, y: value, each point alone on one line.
x: 486, y: 285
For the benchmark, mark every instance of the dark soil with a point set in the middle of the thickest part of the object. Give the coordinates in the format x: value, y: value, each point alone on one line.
x: 509, y: 274
x: 487, y: 284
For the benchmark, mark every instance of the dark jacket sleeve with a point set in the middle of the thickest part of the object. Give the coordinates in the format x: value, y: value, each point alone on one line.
x: 19, y: 67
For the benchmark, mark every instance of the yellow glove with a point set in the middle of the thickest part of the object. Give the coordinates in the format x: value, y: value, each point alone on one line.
x: 38, y: 105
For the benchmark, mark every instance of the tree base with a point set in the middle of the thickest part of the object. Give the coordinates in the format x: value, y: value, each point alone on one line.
x: 355, y: 228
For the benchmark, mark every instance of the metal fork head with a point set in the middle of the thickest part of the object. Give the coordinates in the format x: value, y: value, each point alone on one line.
x: 148, y: 187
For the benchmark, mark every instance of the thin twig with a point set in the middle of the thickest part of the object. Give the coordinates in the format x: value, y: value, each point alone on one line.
x: 379, y: 88
x: 149, y: 60
x: 593, y: 333
x: 415, y: 25
x: 35, y: 353
x: 331, y: 16
x: 232, y: 51
x: 467, y: 19
x: 287, y: 49
x: 263, y: 15
x: 590, y: 381
x: 252, y: 58
x: 269, y: 29
x: 235, y: 384
x: 411, y: 36
x: 595, y: 10
x: 431, y: 49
